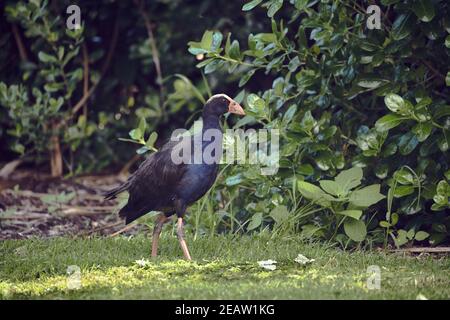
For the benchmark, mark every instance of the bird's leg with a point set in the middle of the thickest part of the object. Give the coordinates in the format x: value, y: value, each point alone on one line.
x: 180, y: 234
x: 156, y: 233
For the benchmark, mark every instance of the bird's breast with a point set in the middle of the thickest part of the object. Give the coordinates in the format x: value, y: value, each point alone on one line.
x: 197, y: 180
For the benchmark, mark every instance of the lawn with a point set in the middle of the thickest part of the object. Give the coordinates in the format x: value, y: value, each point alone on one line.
x: 223, y: 268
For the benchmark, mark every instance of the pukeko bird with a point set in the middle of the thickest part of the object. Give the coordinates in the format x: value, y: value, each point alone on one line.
x: 160, y: 184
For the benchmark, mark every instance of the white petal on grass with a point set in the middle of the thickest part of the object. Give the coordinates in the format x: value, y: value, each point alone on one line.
x: 303, y: 260
x: 268, y: 264
x: 421, y: 297
x: 142, y: 262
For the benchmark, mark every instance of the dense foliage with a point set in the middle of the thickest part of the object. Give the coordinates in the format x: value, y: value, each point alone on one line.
x: 48, y: 71
x: 343, y: 96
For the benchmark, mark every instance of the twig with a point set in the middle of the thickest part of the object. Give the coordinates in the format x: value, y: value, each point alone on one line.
x: 19, y: 43
x: 126, y: 168
x: 9, y: 168
x: 155, y: 53
x: 65, y: 213
x: 108, y: 226
x: 32, y: 216
x: 435, y: 71
x: 31, y: 194
x: 85, y: 211
x: 424, y: 250
x: 85, y: 76
x: 126, y: 228
x: 105, y: 67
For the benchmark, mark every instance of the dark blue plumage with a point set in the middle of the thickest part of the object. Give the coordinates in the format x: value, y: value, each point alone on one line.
x: 161, y: 185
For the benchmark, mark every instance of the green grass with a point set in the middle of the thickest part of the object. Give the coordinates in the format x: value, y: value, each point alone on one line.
x: 224, y: 268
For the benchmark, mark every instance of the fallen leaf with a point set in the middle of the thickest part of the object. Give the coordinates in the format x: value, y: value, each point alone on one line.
x: 421, y: 297
x: 303, y: 260
x: 268, y: 264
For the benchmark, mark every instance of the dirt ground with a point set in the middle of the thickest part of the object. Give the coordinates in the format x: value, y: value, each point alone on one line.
x: 36, y: 205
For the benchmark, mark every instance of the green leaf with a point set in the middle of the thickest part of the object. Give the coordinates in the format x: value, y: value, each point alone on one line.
x: 312, y: 192
x: 385, y: 224
x: 443, y: 188
x: 355, y: 229
x: 255, y: 221
x: 367, y: 196
x: 301, y: 4
x: 424, y: 9
x: 207, y: 40
x: 233, y: 180
x: 370, y: 82
x: 401, y: 238
x: 388, y: 121
x: 142, y: 126
x: 234, y: 51
x: 410, y: 234
x: 255, y: 103
x: 289, y: 114
x: 443, y: 141
x: 136, y: 134
x: 422, y: 130
x: 308, y: 122
x: 228, y: 44
x: 250, y: 5
x: 18, y: 147
x: 421, y: 235
x: 247, y: 76
x: 404, y: 176
x: 394, y: 102
x: 306, y: 169
x: 216, y: 41
x: 151, y: 140
x: 402, y: 26
x: 331, y: 187
x: 447, y: 79
x: 407, y: 143
x: 294, y: 64
x: 306, y: 78
x: 401, y: 191
x: 355, y: 214
x: 349, y: 179
x: 142, y: 150
x: 279, y: 214
x: 394, y: 218
x: 46, y: 58
x: 274, y: 7
x: 53, y: 86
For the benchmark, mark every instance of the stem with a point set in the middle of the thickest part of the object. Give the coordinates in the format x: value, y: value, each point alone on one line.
x: 154, y: 48
x: 238, y: 62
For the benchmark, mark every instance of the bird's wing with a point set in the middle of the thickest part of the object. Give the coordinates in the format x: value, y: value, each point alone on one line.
x: 156, y: 176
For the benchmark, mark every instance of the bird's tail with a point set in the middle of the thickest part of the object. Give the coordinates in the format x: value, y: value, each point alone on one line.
x: 111, y: 194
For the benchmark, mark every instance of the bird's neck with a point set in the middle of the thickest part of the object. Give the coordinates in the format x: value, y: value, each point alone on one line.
x: 210, y: 122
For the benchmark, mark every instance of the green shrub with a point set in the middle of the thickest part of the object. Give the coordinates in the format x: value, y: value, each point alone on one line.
x: 343, y: 95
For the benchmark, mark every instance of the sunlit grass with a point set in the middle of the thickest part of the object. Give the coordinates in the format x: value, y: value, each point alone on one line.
x: 224, y: 268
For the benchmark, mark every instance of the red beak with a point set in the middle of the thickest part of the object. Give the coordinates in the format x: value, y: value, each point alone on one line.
x: 235, y: 108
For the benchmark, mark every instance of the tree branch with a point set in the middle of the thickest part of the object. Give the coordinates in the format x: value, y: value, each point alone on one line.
x: 19, y: 43
x: 434, y: 70
x: 85, y: 76
x: 155, y: 53
x: 106, y: 64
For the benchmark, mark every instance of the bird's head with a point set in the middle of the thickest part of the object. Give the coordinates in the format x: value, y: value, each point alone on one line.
x: 219, y: 104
